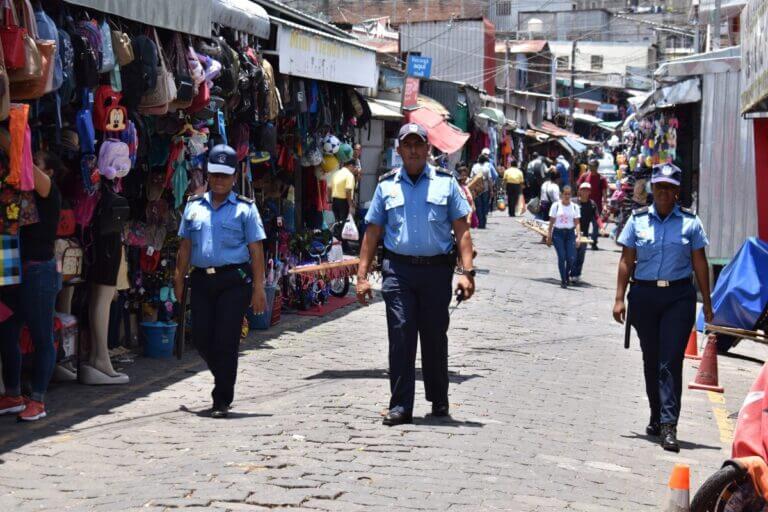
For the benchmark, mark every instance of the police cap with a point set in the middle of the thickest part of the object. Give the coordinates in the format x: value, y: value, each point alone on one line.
x: 667, y: 173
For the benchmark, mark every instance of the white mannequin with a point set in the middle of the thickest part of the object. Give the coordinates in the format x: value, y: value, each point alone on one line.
x: 65, y: 372
x: 99, y: 368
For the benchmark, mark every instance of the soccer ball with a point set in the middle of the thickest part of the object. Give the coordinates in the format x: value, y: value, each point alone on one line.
x: 331, y: 145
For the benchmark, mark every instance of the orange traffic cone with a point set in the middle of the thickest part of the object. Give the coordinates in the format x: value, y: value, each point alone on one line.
x: 679, y: 489
x: 706, y: 377
x: 692, y: 349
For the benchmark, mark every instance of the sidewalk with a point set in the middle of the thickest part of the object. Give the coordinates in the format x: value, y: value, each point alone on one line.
x: 548, y: 414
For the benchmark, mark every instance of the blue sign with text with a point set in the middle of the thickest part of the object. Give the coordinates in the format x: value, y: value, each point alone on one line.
x: 419, y: 67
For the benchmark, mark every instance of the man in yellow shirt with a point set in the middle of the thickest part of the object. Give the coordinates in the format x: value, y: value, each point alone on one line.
x: 343, y: 191
x: 515, y: 182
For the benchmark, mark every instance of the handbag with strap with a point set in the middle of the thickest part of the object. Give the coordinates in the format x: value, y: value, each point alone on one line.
x: 12, y: 36
x: 122, y: 47
x: 69, y: 258
x: 185, y: 86
x: 32, y: 68
x: 5, y: 89
x: 164, y: 92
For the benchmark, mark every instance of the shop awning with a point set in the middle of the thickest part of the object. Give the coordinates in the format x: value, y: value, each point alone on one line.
x: 444, y: 136
x: 571, y: 145
x: 688, y: 91
x: 188, y: 16
x: 553, y: 130
x: 384, y: 109
x: 433, y: 105
x: 310, y: 53
x: 492, y: 114
x: 242, y: 15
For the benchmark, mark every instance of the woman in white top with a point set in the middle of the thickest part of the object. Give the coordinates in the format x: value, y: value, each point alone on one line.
x: 564, y: 226
x: 550, y: 194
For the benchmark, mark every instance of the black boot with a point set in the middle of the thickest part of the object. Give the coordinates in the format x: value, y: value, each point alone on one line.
x: 653, y: 429
x: 669, y: 437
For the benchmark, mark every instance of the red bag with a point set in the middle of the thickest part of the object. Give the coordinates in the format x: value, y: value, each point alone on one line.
x: 106, y: 99
x: 12, y: 37
x: 66, y: 223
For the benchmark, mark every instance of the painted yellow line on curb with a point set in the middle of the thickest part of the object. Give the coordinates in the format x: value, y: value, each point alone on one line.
x: 724, y: 423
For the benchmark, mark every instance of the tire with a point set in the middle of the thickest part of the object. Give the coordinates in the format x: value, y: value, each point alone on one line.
x: 339, y: 287
x: 714, y: 493
x: 725, y: 343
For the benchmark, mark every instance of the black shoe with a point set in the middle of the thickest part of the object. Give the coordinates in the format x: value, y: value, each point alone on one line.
x: 595, y: 247
x: 219, y: 411
x: 563, y: 285
x: 440, y: 410
x: 397, y: 416
x: 653, y: 429
x: 669, y: 437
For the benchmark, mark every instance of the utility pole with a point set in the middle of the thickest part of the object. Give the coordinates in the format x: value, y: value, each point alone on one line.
x: 506, y: 72
x: 572, y: 101
x: 714, y: 22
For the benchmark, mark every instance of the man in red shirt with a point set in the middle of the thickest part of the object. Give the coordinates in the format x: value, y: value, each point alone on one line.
x: 599, y: 184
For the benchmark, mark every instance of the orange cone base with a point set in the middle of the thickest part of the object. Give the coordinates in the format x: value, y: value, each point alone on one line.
x: 704, y: 387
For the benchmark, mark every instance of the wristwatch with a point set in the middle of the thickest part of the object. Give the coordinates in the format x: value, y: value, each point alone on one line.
x: 471, y: 272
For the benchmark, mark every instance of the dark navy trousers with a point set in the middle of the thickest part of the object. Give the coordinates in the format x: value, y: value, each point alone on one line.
x: 663, y: 319
x: 417, y: 299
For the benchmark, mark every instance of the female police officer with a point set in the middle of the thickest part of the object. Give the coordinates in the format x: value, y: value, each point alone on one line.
x: 221, y: 237
x: 663, y: 245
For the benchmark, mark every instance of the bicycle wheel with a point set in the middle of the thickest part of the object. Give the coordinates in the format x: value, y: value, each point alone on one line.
x: 339, y: 287
x: 728, y: 489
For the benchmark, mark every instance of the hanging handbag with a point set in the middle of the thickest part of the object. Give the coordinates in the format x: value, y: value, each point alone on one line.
x: 36, y: 87
x: 164, y: 91
x: 32, y: 68
x: 69, y: 258
x: 185, y: 86
x: 12, y: 36
x: 122, y: 46
x: 5, y: 90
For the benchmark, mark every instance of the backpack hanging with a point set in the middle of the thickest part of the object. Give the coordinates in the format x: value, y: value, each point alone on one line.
x: 113, y: 212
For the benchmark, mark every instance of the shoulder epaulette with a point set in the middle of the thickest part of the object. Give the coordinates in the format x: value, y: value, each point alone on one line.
x: 195, y: 198
x: 640, y: 211
x: 444, y: 172
x: 687, y: 211
x: 244, y: 199
x: 388, y: 175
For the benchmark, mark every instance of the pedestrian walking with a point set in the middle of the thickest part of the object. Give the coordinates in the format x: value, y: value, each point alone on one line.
x: 598, y: 184
x: 662, y: 246
x: 549, y: 195
x: 34, y: 299
x: 563, y: 169
x: 535, y: 174
x: 515, y: 184
x: 463, y: 181
x: 482, y: 170
x: 221, y: 236
x: 563, y: 233
x: 415, y: 208
x: 587, y: 220
x: 343, y: 192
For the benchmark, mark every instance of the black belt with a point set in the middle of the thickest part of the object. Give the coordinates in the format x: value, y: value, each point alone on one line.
x: 440, y: 259
x: 661, y: 283
x: 218, y: 270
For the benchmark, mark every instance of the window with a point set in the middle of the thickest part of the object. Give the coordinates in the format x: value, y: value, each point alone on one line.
x: 563, y: 62
x: 596, y: 61
x: 504, y: 8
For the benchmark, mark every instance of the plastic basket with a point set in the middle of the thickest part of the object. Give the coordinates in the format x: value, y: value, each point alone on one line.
x: 264, y: 320
x: 159, y: 338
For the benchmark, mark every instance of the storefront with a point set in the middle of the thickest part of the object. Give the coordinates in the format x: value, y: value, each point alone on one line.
x: 134, y: 140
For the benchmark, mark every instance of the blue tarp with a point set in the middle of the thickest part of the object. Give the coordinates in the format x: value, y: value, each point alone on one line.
x: 577, y: 146
x: 741, y: 293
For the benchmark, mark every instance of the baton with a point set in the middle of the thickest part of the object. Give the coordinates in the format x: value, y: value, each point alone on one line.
x: 459, y: 299
x: 627, y: 328
x: 181, y: 330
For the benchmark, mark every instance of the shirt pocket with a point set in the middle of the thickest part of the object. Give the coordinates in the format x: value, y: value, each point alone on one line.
x: 232, y: 233
x: 437, y: 207
x: 395, y: 208
x: 194, y: 230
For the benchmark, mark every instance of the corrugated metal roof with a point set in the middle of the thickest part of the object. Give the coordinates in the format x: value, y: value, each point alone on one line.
x: 534, y: 46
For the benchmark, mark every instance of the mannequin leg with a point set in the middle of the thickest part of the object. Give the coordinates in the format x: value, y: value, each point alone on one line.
x: 99, y: 369
x: 64, y: 300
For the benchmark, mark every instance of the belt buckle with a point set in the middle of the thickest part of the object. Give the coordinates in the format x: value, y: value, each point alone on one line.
x: 210, y: 270
x: 662, y: 284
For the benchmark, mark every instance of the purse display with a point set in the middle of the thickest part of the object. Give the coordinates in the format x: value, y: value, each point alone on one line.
x: 69, y: 258
x: 32, y: 67
x: 12, y: 36
x: 156, y: 101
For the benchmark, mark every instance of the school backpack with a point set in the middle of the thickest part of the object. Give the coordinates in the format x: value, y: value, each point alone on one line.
x: 84, y: 120
x: 108, y: 55
x: 67, y: 55
x: 105, y: 102
x: 113, y: 212
x: 91, y: 32
x: 140, y: 75
x: 46, y: 29
x: 230, y: 72
x: 86, y: 58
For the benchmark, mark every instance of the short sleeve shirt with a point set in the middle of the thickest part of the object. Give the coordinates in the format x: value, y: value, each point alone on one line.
x: 221, y: 236
x: 417, y: 217
x: 565, y: 216
x: 663, y: 247
x: 513, y: 176
x: 342, y: 180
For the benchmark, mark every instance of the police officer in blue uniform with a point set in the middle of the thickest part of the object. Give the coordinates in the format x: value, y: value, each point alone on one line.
x: 662, y: 246
x: 416, y: 208
x: 221, y: 237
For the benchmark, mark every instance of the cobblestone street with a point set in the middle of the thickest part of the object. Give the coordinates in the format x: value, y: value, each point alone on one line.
x: 548, y: 412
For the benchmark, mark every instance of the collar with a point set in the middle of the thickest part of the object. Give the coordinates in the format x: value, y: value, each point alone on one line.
x: 428, y: 171
x: 231, y: 198
x: 675, y: 211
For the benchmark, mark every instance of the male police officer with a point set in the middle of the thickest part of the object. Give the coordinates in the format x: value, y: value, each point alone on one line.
x: 221, y: 237
x: 415, y: 207
x: 663, y: 245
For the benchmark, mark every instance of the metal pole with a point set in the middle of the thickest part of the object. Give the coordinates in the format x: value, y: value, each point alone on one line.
x: 506, y: 71
x: 715, y: 23
x: 572, y: 100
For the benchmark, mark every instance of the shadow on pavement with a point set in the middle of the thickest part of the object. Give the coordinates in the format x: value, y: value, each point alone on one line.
x: 445, y: 422
x: 233, y: 414
x: 742, y: 357
x: 684, y: 445
x: 380, y: 373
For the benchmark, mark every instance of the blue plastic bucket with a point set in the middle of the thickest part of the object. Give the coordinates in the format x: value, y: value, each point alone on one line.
x: 264, y: 320
x: 159, y: 338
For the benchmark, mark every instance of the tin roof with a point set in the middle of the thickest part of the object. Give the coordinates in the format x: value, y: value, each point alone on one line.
x: 533, y: 46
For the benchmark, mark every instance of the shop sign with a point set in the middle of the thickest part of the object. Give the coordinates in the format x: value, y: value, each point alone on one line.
x: 419, y: 67
x: 411, y: 93
x: 309, y: 55
x: 754, y: 55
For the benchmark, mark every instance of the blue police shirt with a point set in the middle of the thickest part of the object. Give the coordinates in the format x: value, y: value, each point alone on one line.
x: 221, y: 236
x: 663, y: 246
x: 417, y: 217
